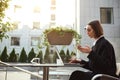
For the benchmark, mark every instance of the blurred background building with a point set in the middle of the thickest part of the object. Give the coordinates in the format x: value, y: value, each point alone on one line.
x: 31, y: 17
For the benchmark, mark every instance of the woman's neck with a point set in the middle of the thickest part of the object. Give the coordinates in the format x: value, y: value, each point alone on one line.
x: 98, y: 37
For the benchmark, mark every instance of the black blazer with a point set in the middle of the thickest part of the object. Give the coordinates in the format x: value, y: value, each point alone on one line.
x: 102, y: 58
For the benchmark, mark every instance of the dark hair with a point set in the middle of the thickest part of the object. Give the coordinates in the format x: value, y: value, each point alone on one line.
x: 96, y: 26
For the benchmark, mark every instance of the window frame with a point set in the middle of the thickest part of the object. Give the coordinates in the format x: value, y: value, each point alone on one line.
x: 33, y: 38
x: 15, y: 43
x: 37, y: 26
x: 107, y: 10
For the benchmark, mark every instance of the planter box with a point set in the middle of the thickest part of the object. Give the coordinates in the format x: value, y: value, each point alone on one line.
x: 59, y: 38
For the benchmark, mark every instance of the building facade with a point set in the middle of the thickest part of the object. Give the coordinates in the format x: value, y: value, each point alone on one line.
x: 108, y: 12
x: 28, y: 29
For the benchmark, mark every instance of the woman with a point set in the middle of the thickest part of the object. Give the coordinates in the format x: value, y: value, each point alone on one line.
x: 101, y: 56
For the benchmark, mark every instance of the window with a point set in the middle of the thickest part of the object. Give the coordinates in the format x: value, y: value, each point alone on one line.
x: 52, y: 23
x: 36, y: 9
x: 36, y: 25
x: 35, y: 41
x: 53, y: 17
x: 53, y: 8
x: 106, y: 15
x: 15, y: 24
x: 15, y: 41
x: 44, y: 11
x: 17, y: 8
x: 53, y: 2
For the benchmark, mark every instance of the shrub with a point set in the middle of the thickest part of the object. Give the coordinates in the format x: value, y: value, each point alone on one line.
x: 62, y: 55
x: 55, y: 57
x: 23, y: 56
x: 46, y: 56
x: 31, y: 55
x: 40, y: 55
x: 13, y: 56
x: 67, y: 56
x: 4, y: 56
x: 73, y: 53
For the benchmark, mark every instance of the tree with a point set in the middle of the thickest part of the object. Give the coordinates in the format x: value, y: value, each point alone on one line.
x: 13, y: 56
x: 23, y: 56
x: 68, y: 56
x: 31, y: 55
x: 62, y: 55
x: 4, y: 55
x: 55, y: 57
x: 46, y: 56
x: 4, y: 25
x: 40, y: 55
x: 73, y: 53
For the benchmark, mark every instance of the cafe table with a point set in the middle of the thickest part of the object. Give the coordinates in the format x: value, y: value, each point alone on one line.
x: 46, y: 67
x: 19, y: 65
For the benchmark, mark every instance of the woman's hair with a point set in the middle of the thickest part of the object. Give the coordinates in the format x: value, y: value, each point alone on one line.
x: 96, y: 26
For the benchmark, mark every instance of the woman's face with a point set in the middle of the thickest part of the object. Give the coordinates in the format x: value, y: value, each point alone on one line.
x: 90, y: 32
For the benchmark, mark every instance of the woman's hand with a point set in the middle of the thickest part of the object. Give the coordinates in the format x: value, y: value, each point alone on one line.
x: 75, y: 61
x: 85, y: 49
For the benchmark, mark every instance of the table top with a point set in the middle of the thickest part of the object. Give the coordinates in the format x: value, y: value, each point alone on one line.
x: 30, y: 65
x: 39, y: 65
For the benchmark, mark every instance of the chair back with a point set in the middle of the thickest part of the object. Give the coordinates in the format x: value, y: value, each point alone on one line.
x: 104, y: 77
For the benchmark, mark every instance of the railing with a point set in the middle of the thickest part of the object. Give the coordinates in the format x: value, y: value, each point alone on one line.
x: 21, y: 69
x: 45, y: 66
x: 45, y: 74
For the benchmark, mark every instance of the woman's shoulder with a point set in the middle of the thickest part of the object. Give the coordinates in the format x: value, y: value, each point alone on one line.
x: 104, y: 41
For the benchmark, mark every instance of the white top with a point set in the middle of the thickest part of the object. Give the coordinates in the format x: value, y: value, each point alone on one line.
x: 97, y: 40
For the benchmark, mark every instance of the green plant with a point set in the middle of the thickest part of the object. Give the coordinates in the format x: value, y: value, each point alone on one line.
x: 4, y: 25
x: 62, y: 55
x: 73, y: 53
x: 31, y: 55
x: 4, y: 56
x: 61, y: 30
x: 46, y: 56
x: 13, y: 56
x: 67, y: 56
x: 40, y: 55
x: 23, y: 56
x: 55, y: 57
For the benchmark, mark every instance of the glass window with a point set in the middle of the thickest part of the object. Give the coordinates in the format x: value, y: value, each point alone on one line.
x: 15, y: 24
x: 45, y: 11
x: 53, y: 2
x: 52, y: 23
x: 53, y: 8
x: 36, y: 9
x: 15, y: 41
x: 36, y: 25
x: 106, y: 15
x: 53, y: 17
x: 35, y: 41
x: 17, y: 8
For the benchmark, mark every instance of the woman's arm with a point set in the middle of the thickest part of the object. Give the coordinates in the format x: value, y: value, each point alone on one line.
x: 101, y: 56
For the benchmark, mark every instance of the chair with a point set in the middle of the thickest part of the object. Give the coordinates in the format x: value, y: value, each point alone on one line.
x: 107, y: 77
x: 118, y: 69
x: 104, y: 77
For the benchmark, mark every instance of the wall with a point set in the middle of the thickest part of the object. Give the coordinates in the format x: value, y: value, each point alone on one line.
x: 90, y: 10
